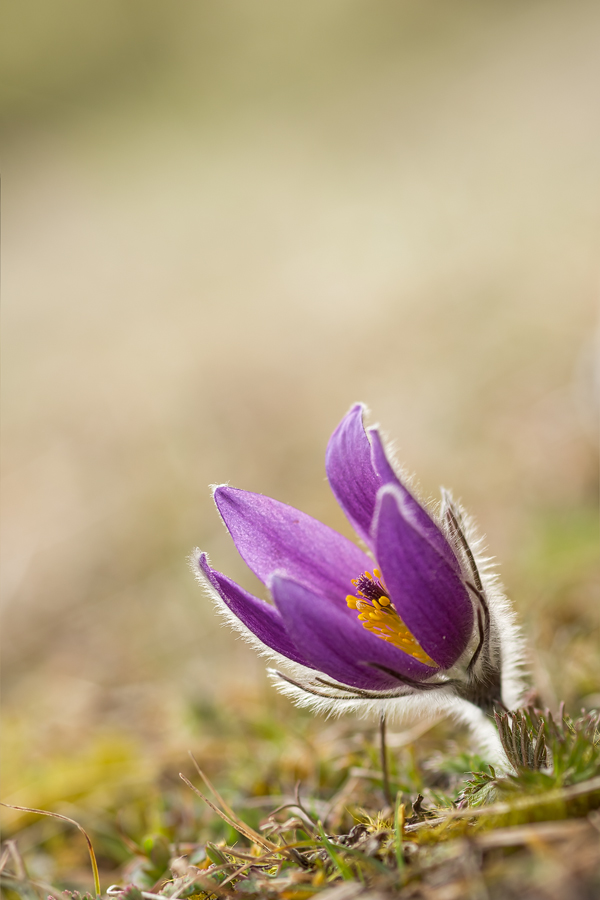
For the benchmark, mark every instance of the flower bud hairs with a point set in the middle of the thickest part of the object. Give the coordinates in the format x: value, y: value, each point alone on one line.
x: 413, y: 624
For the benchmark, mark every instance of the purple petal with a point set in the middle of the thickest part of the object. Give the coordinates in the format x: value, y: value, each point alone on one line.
x: 271, y: 536
x: 427, y: 592
x: 262, y: 619
x: 350, y: 471
x: 420, y: 515
x: 338, y: 644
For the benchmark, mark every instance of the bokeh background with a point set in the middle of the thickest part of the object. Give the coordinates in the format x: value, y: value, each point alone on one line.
x: 224, y: 223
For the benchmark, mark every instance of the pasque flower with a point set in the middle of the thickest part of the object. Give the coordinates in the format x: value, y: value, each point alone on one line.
x: 414, y: 619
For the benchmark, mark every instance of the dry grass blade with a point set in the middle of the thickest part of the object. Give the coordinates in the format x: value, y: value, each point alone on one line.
x: 234, y: 822
x: 53, y: 815
x: 11, y: 851
x: 254, y: 835
x: 4, y: 857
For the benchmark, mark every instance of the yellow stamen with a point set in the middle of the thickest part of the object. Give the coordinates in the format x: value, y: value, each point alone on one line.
x: 376, y: 573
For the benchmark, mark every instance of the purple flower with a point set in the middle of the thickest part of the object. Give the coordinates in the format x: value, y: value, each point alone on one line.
x: 414, y: 614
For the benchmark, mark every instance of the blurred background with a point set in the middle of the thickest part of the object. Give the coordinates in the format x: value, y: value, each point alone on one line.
x: 223, y: 224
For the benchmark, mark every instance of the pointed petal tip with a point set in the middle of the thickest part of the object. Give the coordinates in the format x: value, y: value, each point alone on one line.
x: 357, y: 410
x: 204, y: 567
x: 373, y: 431
x: 259, y: 617
x: 224, y: 497
x: 218, y: 489
x: 350, y: 471
x: 359, y: 406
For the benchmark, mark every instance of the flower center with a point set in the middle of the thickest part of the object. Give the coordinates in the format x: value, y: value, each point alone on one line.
x: 377, y: 614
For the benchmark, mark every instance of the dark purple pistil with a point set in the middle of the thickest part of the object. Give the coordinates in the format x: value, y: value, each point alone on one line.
x: 370, y: 588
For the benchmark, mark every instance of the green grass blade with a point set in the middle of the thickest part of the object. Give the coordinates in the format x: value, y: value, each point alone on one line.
x: 342, y: 867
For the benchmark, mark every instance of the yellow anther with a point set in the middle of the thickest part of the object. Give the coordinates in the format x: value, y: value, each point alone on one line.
x: 383, y: 600
x: 369, y: 576
x: 351, y: 601
x: 376, y: 573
